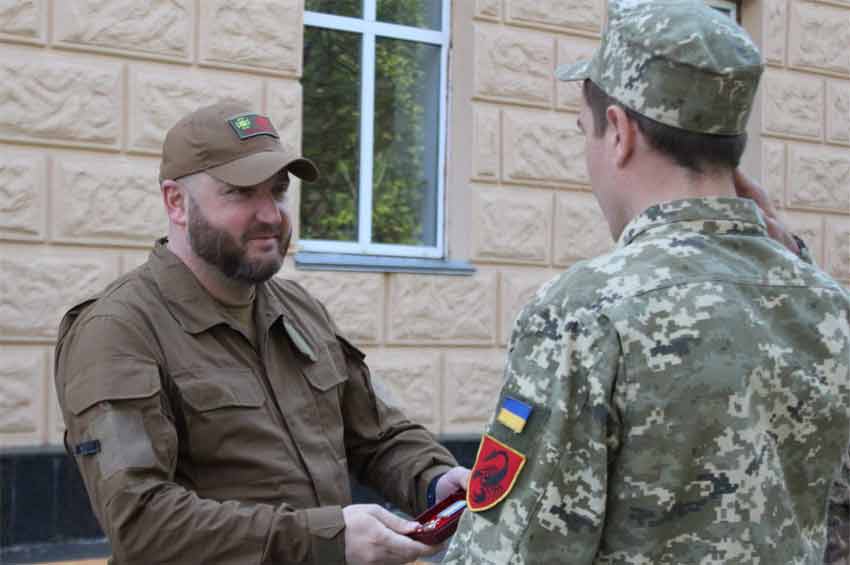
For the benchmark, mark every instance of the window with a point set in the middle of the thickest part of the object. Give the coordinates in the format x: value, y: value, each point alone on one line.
x: 374, y: 115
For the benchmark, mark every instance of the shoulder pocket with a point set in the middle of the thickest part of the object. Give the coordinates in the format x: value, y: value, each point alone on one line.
x: 329, y: 369
x: 211, y: 389
x: 83, y: 393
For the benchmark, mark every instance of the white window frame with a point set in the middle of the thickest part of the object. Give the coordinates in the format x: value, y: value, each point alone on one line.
x: 370, y: 28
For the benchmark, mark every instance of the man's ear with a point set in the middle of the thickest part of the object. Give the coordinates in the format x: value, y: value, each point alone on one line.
x: 176, y: 199
x: 623, y: 134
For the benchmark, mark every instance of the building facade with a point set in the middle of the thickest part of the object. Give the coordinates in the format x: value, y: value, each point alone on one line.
x: 88, y: 89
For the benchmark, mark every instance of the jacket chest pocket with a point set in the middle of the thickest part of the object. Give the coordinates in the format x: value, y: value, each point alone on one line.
x: 223, y: 409
x: 326, y: 378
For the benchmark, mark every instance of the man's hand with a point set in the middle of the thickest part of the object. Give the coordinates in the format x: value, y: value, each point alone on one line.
x: 453, y: 480
x: 746, y: 187
x: 375, y: 536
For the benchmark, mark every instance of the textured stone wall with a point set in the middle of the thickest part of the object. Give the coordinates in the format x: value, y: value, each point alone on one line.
x: 88, y: 89
x: 805, y: 119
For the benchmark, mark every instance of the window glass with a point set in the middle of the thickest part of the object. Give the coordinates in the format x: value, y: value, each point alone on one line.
x: 351, y: 8
x: 331, y: 136
x: 407, y: 81
x: 417, y: 13
x: 374, y: 120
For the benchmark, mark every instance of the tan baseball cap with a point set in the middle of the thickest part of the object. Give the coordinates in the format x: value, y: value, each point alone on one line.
x: 231, y: 143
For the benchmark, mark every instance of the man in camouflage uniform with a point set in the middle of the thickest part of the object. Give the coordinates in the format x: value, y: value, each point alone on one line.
x: 684, y: 398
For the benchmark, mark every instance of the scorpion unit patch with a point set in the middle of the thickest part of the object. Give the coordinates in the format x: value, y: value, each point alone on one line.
x: 494, y: 474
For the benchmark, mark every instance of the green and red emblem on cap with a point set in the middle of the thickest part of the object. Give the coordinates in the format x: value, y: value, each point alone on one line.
x: 251, y: 125
x: 494, y: 474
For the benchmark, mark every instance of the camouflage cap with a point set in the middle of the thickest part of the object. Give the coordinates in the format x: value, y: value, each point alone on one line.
x: 678, y: 62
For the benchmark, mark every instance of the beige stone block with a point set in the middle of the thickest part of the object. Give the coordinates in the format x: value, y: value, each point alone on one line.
x: 518, y: 288
x: 838, y: 111
x: 488, y: 9
x: 38, y: 285
x: 447, y: 309
x: 809, y: 227
x: 409, y: 380
x: 819, y: 178
x: 487, y: 139
x: 355, y: 300
x: 512, y: 225
x: 115, y: 200
x: 838, y: 246
x: 542, y: 147
x: 132, y: 260
x: 583, y: 15
x: 773, y: 170
x: 22, y: 202
x: 23, y: 20
x: 775, y: 24
x: 156, y: 27
x: 253, y: 33
x: 793, y: 104
x: 581, y: 231
x: 159, y: 96
x: 284, y: 109
x: 23, y: 377
x: 819, y: 36
x: 471, y: 389
x: 514, y: 64
x: 49, y: 98
x: 571, y: 50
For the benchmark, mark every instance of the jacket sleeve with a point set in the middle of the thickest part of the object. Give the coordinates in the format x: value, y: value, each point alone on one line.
x: 385, y: 449
x: 563, y: 368
x: 121, y: 432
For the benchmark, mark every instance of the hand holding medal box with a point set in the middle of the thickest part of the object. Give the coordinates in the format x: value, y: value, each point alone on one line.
x: 440, y: 521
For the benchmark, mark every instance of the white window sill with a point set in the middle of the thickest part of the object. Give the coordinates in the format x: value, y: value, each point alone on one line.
x: 308, y: 261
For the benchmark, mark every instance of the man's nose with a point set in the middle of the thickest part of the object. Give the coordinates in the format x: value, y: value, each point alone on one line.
x: 269, y: 211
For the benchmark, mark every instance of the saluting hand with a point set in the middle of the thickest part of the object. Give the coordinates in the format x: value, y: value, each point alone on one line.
x: 375, y: 536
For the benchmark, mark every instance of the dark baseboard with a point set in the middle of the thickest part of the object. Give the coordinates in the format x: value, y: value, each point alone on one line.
x: 45, y: 513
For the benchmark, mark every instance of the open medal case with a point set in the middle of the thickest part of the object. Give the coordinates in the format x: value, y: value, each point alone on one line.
x: 440, y: 521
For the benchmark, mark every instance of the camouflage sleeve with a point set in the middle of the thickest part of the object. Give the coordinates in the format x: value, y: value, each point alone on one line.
x: 564, y: 367
x: 838, y: 518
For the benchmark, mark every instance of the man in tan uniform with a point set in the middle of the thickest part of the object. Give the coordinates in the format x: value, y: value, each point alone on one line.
x: 215, y: 412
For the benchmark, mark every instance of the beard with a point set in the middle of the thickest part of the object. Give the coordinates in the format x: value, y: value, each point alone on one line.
x: 221, y: 250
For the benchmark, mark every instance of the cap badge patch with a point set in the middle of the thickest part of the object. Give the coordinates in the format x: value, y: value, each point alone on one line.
x: 494, y: 474
x: 251, y: 125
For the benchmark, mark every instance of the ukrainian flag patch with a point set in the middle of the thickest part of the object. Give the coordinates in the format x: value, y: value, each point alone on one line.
x: 514, y: 414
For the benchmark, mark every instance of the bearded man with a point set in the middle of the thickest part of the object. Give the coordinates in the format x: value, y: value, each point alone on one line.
x: 214, y: 411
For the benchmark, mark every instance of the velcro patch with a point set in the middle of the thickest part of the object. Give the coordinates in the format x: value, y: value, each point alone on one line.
x: 91, y: 447
x: 252, y: 125
x: 494, y: 474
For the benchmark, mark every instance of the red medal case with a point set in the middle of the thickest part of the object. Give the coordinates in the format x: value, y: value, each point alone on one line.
x: 440, y: 521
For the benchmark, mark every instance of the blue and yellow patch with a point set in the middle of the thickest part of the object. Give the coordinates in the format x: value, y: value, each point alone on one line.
x: 514, y: 414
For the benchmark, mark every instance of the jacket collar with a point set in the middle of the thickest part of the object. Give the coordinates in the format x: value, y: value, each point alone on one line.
x: 708, y: 216
x: 189, y: 302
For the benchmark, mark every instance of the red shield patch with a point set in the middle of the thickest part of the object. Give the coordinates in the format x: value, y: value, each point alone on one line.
x: 496, y: 469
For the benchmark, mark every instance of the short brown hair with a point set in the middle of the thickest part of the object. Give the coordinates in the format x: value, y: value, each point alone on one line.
x: 696, y: 152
